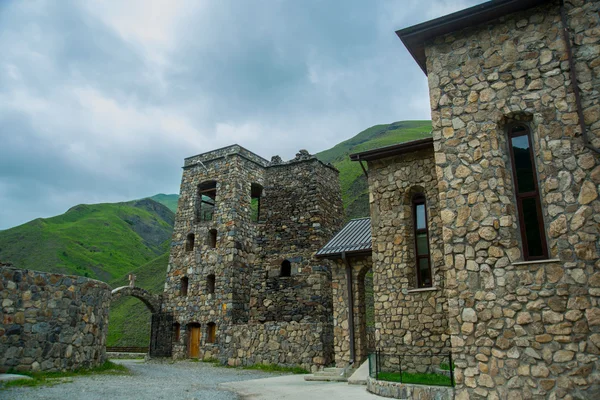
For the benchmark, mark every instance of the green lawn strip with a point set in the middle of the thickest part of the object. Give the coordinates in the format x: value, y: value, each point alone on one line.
x: 422, y: 379
x: 52, y: 378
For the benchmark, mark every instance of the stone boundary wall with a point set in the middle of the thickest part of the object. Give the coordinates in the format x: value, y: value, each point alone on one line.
x: 284, y: 343
x: 397, y: 390
x: 51, y: 322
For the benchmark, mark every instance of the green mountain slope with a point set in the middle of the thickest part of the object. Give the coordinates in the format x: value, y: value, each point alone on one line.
x: 355, y: 193
x: 169, y: 200
x: 102, y: 241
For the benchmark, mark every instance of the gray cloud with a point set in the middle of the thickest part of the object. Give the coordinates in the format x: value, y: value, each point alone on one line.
x: 101, y: 101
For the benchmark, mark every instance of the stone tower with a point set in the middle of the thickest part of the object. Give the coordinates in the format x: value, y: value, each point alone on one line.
x: 242, y: 283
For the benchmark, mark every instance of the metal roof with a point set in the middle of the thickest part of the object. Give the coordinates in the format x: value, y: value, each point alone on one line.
x: 355, y: 237
x: 414, y: 37
x: 393, y: 150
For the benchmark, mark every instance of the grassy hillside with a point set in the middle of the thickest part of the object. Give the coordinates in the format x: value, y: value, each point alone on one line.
x: 355, y: 193
x: 169, y: 200
x: 101, y: 241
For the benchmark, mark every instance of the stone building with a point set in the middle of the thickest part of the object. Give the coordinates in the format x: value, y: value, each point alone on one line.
x: 486, y: 237
x: 242, y: 285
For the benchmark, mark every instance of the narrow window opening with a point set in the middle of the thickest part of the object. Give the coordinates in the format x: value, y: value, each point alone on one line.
x: 189, y: 243
x: 421, y: 231
x: 527, y: 193
x: 210, y: 284
x: 184, y: 286
x: 205, y: 206
x: 211, y: 332
x: 176, y: 331
x: 286, y: 269
x: 255, y: 196
x: 212, y: 238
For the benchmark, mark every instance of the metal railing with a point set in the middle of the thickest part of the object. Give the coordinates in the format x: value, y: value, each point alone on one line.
x: 436, y: 369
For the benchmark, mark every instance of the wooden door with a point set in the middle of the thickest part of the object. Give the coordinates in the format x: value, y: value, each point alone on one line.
x: 194, y: 341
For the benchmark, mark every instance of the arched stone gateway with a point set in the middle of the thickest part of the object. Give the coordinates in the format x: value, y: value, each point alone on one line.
x: 152, y: 301
x: 161, y: 330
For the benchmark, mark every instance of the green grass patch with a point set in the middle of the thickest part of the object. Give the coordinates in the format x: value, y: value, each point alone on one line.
x: 422, y: 379
x: 53, y: 378
x: 446, y: 366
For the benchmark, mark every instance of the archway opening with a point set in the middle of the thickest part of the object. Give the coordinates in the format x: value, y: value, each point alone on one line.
x: 130, y: 319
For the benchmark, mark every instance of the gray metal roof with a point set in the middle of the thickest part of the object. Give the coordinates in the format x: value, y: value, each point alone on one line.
x: 355, y: 237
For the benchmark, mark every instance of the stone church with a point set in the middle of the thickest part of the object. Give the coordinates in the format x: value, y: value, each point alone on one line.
x: 485, y: 238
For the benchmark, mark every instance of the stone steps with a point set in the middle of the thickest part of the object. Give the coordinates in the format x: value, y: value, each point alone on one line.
x: 329, y: 375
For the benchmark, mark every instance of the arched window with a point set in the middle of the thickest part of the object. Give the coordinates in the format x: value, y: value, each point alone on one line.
x: 286, y: 268
x: 184, y: 286
x: 421, y: 231
x: 211, y: 332
x: 533, y: 235
x: 176, y: 331
x: 212, y: 238
x: 189, y: 242
x: 205, y: 204
x: 210, y: 284
x: 255, y: 195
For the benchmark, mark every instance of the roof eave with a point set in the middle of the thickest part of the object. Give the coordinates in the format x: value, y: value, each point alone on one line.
x: 414, y: 37
x: 389, y: 151
x: 337, y: 256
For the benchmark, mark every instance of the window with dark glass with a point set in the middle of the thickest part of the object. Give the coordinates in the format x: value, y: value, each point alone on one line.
x: 212, y: 238
x: 184, y: 286
x: 423, y: 261
x: 205, y: 206
x: 527, y: 193
x: 255, y: 195
x: 211, y: 332
x: 176, y: 331
x: 189, y: 243
x: 210, y: 283
x: 286, y: 268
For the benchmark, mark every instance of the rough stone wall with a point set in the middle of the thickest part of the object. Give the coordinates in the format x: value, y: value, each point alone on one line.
x: 408, y: 320
x: 360, y: 266
x: 234, y: 169
x: 302, y: 210
x: 519, y: 330
x: 51, y: 322
x: 299, y: 210
x: 283, y: 343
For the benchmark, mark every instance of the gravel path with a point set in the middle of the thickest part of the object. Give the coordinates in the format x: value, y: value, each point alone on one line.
x: 153, y: 380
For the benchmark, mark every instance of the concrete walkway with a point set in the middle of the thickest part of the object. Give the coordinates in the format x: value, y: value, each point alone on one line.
x: 294, y: 387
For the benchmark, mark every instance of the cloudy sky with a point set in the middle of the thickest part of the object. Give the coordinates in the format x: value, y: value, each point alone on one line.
x: 101, y: 100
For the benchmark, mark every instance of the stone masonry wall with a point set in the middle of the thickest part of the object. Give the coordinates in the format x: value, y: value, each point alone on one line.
x: 408, y: 320
x: 520, y: 330
x: 231, y: 261
x: 299, y: 210
x: 283, y: 343
x: 51, y: 322
x: 360, y: 266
